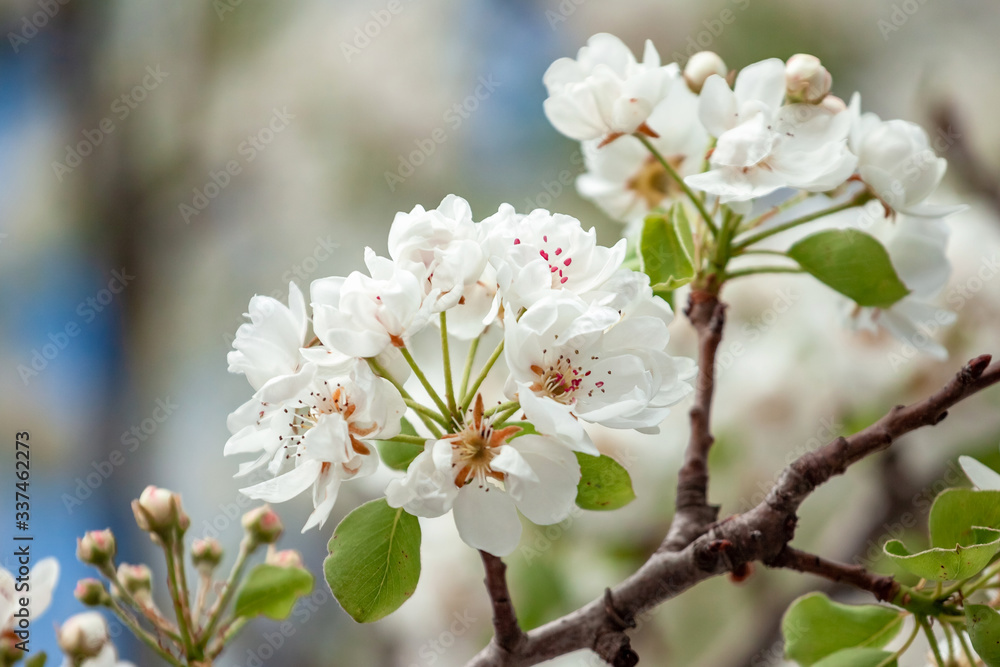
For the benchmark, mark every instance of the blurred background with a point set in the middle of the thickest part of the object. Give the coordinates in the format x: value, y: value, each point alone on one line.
x: 160, y: 163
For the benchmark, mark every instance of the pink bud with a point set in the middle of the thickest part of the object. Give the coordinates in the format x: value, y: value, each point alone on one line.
x: 96, y: 547
x: 91, y: 592
x: 263, y: 525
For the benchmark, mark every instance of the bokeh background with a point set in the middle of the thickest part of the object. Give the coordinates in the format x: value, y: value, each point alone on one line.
x: 120, y: 223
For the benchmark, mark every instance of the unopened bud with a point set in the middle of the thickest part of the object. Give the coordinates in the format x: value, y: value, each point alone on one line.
x: 83, y: 635
x: 806, y: 80
x: 262, y: 525
x: 137, y: 581
x: 9, y: 652
x: 91, y: 592
x: 833, y: 104
x: 96, y: 547
x: 284, y: 558
x: 159, y: 511
x: 700, y: 66
x: 206, y: 554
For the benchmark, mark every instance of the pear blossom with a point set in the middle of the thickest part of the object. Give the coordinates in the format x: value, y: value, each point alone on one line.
x: 85, y: 640
x: 42, y: 582
x: 806, y: 79
x: 441, y: 247
x: 542, y: 252
x: 107, y: 657
x: 605, y: 93
x: 267, y: 347
x: 573, y: 361
x: 896, y: 161
x: 763, y: 146
x: 484, y: 475
x: 361, y: 316
x: 700, y: 66
x: 320, y: 437
x: 916, y: 249
x: 626, y: 181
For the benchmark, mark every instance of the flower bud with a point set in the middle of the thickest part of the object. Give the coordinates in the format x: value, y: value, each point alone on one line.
x: 83, y: 635
x: 137, y: 581
x: 262, y: 525
x: 206, y: 554
x: 284, y: 558
x: 700, y: 66
x: 9, y: 652
x: 806, y: 80
x: 159, y: 511
x: 833, y: 104
x: 96, y: 547
x: 91, y: 592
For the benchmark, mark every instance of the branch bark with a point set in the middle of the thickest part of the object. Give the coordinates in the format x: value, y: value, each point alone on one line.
x: 508, y: 635
x: 761, y: 534
x: 883, y: 588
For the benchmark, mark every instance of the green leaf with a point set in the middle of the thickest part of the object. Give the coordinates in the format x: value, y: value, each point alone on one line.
x: 36, y: 661
x: 374, y: 560
x: 272, y: 591
x: 956, y: 513
x: 984, y: 477
x: 604, y: 484
x: 858, y: 657
x: 939, y: 564
x: 815, y: 627
x: 853, y: 263
x: 399, y: 455
x: 984, y: 631
x: 666, y: 249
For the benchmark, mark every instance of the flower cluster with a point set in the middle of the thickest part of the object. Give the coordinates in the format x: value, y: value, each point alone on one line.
x: 771, y: 135
x: 579, y: 338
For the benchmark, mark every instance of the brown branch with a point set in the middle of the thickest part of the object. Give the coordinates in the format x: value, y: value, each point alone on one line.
x: 508, y: 635
x: 693, y: 512
x: 760, y: 534
x: 883, y: 588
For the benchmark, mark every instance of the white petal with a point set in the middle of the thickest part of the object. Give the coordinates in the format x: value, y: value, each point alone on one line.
x: 44, y: 576
x: 551, y: 498
x: 763, y: 81
x: 487, y: 519
x: 982, y: 476
x: 287, y: 486
x: 717, y: 106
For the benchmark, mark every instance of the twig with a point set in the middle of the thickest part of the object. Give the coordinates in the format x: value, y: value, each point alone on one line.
x: 883, y: 588
x: 508, y: 633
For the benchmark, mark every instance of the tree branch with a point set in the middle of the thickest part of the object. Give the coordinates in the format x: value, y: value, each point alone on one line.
x: 508, y: 635
x: 883, y: 588
x: 693, y: 513
x: 760, y: 534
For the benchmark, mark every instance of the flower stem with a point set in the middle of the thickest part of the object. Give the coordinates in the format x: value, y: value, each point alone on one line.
x: 761, y: 269
x: 143, y: 635
x: 857, y: 200
x: 409, y: 439
x: 469, y: 360
x: 467, y: 399
x: 425, y: 382
x: 449, y: 387
x: 425, y: 411
x: 904, y: 648
x: 382, y: 372
x: 931, y: 639
x: 698, y: 203
x: 774, y: 210
x: 178, y: 595
x: 966, y: 649
x: 246, y: 548
x: 503, y: 407
x: 506, y: 414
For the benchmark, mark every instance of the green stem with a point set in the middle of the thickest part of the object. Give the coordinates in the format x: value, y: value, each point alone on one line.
x: 382, y: 372
x: 246, y: 548
x: 449, y: 387
x: 150, y: 615
x: 425, y: 382
x: 857, y: 200
x: 177, y: 595
x: 425, y: 411
x: 503, y: 407
x: 229, y: 631
x: 469, y: 360
x: 931, y: 639
x: 695, y: 199
x: 143, y: 635
x: 966, y: 649
x: 774, y: 210
x: 467, y: 400
x: 506, y: 414
x: 902, y: 649
x: 761, y: 269
x: 760, y: 251
x: 409, y: 439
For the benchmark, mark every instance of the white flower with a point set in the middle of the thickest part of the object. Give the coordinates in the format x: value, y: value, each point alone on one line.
x: 441, y: 247
x: 602, y: 362
x: 108, y: 657
x: 361, y: 316
x: 42, y: 581
x: 626, y: 181
x: 84, y: 635
x: 763, y: 146
x: 542, y: 252
x: 605, y: 93
x: 917, y: 251
x: 268, y: 345
x: 320, y: 437
x: 485, y: 476
x: 896, y: 161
